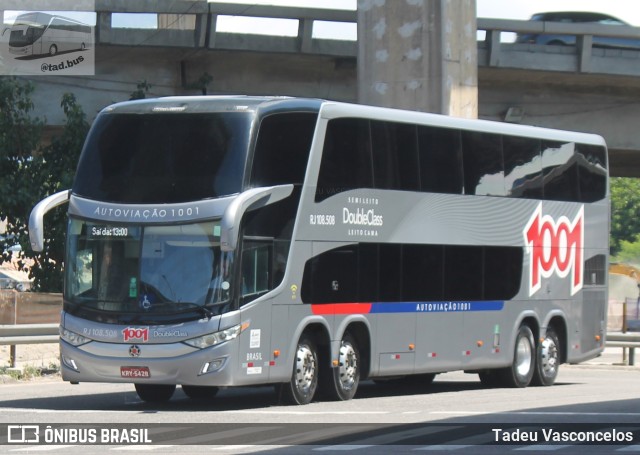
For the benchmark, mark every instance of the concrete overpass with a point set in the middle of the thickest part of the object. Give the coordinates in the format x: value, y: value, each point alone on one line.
x: 580, y: 88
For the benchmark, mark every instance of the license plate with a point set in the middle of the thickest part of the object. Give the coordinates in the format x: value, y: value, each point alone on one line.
x: 135, y: 372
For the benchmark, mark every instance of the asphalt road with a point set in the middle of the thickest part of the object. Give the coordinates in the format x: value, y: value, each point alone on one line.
x: 589, y: 403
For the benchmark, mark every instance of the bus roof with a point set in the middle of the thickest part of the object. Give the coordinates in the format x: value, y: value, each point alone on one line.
x: 191, y: 104
x: 334, y: 109
x: 40, y: 18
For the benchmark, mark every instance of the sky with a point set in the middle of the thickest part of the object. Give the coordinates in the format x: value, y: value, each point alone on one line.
x: 627, y: 10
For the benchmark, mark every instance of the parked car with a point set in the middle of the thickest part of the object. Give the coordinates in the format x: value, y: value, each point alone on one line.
x: 578, y: 17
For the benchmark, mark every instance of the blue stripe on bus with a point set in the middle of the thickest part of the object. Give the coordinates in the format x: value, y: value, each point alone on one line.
x: 436, y: 307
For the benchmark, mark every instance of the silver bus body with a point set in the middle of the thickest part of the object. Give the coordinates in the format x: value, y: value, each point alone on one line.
x: 409, y: 274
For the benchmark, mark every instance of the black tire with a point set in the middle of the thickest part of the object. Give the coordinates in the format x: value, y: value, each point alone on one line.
x: 521, y: 371
x: 302, y: 387
x: 345, y: 378
x: 53, y: 50
x: 196, y: 392
x: 547, y: 360
x: 155, y: 393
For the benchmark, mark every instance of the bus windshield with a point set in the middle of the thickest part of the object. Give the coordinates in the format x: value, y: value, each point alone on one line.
x: 163, y: 157
x: 147, y: 270
x: 25, y: 35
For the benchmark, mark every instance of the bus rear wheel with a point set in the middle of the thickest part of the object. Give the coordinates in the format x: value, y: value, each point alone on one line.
x: 521, y: 371
x: 547, y: 360
x: 53, y: 50
x: 346, y: 377
x: 155, y: 393
x: 304, y: 380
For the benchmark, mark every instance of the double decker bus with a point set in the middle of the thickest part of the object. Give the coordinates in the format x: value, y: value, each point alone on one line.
x: 308, y: 244
x: 38, y: 33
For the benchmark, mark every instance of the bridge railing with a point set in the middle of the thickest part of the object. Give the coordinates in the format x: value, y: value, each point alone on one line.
x: 204, y: 34
x: 202, y: 31
x: 493, y: 52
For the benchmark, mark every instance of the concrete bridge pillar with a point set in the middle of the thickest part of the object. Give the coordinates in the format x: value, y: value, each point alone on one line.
x: 418, y: 55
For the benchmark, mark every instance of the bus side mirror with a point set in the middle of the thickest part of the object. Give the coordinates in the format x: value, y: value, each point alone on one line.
x: 36, y: 222
x: 248, y: 200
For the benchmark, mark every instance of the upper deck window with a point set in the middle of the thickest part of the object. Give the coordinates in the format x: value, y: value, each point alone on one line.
x: 163, y: 158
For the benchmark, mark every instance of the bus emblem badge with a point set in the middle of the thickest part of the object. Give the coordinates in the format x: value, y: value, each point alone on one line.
x: 136, y: 334
x: 134, y: 351
x: 554, y: 246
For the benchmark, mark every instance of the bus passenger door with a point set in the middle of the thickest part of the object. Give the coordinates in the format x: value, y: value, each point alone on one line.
x: 256, y: 272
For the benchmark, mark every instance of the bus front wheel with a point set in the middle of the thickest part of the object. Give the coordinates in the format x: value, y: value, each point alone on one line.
x: 155, y: 393
x: 53, y: 50
x: 304, y: 380
x: 520, y: 373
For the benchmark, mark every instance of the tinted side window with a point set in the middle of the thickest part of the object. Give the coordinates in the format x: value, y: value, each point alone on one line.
x: 522, y: 167
x: 463, y: 275
x: 371, y: 272
x: 560, y: 171
x: 331, y: 277
x: 592, y: 172
x: 346, y: 158
x: 483, y: 164
x: 422, y: 272
x: 395, y: 156
x: 595, y: 270
x: 368, y: 272
x: 269, y: 227
x: 391, y: 272
x: 502, y: 272
x: 440, y: 160
x: 282, y: 149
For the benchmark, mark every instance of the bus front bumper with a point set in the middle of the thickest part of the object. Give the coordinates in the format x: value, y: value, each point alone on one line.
x: 174, y: 363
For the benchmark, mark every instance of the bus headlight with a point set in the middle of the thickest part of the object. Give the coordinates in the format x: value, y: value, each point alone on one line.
x: 216, y: 338
x: 73, y: 338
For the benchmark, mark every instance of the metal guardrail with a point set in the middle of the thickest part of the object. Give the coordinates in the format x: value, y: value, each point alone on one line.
x: 14, y: 334
x: 29, y: 334
x: 625, y: 340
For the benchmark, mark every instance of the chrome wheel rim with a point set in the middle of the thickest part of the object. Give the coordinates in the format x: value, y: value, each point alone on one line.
x: 305, y: 369
x: 548, y: 357
x: 524, y: 356
x: 348, y: 369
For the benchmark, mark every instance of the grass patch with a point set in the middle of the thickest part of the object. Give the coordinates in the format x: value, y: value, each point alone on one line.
x: 29, y: 371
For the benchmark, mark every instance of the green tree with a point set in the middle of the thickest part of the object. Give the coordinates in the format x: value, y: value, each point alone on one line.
x: 31, y: 173
x: 19, y: 137
x: 625, y: 212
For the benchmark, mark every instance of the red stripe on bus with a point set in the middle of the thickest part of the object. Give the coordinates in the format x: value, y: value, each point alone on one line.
x: 340, y: 308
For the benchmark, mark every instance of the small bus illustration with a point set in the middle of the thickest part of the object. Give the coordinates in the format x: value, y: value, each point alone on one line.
x: 38, y: 33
